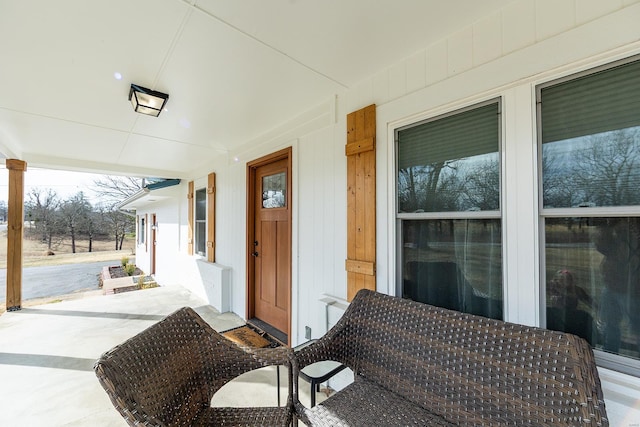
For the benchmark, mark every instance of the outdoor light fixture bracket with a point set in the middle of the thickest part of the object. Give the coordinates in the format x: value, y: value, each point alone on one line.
x: 147, y: 101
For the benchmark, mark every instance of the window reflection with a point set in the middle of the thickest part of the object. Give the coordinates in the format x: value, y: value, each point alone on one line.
x: 455, y: 264
x: 593, y: 170
x: 593, y: 281
x: 451, y: 163
x: 274, y: 190
x: 466, y: 184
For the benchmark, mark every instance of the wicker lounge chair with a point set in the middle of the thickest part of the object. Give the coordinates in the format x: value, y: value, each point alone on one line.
x: 416, y: 364
x: 167, y: 374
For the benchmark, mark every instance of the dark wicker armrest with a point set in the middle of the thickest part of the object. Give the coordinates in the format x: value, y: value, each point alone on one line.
x: 326, y: 348
x: 276, y: 356
x: 298, y: 407
x: 270, y: 356
x: 238, y: 359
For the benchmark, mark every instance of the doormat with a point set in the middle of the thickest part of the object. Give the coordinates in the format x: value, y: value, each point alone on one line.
x: 250, y: 337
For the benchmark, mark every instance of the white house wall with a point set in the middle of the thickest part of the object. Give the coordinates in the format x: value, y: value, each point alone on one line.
x: 231, y: 224
x: 168, y: 264
x: 504, y: 55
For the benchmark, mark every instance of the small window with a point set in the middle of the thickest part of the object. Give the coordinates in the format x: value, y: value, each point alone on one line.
x: 201, y: 222
x: 142, y: 231
x: 589, y: 145
x: 274, y: 191
x: 448, y: 211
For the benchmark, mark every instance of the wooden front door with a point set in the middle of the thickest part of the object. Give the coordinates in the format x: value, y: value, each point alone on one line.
x: 269, y: 245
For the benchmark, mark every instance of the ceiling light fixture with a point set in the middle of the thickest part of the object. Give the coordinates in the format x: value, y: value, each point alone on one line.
x: 147, y: 101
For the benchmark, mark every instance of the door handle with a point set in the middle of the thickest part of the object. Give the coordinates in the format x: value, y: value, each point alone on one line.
x: 254, y: 253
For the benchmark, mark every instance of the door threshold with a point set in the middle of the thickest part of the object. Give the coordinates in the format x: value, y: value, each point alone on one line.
x: 275, y: 333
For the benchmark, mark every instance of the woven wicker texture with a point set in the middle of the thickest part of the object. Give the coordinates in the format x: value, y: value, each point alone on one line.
x: 469, y: 370
x: 167, y: 375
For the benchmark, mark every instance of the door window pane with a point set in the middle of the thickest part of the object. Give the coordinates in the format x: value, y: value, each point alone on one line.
x: 274, y: 190
x: 455, y: 264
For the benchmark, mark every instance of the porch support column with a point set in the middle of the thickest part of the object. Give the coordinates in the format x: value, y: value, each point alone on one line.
x: 15, y: 223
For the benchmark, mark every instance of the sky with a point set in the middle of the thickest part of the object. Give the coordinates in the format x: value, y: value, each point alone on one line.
x: 65, y: 184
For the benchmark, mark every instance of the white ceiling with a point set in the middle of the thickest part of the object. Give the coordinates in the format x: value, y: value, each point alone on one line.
x: 234, y: 70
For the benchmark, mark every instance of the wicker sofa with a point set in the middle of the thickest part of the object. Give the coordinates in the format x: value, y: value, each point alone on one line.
x: 416, y: 364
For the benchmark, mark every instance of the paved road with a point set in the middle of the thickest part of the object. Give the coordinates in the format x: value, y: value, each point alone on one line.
x: 47, y: 281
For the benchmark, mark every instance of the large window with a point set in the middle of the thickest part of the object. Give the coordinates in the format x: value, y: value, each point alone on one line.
x: 448, y: 211
x: 589, y: 133
x: 201, y: 222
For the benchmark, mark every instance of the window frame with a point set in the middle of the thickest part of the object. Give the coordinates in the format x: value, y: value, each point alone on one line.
x: 623, y: 364
x: 400, y: 217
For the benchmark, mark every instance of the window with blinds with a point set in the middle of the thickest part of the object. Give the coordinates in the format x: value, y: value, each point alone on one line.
x: 449, y: 221
x: 589, y: 145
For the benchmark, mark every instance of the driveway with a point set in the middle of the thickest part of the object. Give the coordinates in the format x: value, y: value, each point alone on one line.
x: 48, y: 281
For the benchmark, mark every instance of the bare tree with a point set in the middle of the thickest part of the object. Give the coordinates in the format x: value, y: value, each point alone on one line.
x: 118, y: 224
x: 93, y: 226
x: 42, y: 208
x: 114, y: 189
x: 73, y: 213
x: 481, y: 189
x: 606, y: 170
x: 558, y: 188
x: 428, y: 188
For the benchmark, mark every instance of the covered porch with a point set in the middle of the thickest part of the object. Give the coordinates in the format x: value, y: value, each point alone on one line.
x: 248, y: 80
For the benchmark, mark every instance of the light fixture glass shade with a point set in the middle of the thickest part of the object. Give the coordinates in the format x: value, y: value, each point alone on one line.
x: 147, y: 101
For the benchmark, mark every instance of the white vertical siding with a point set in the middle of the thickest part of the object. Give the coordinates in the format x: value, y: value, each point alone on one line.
x: 397, y: 81
x: 322, y: 215
x: 518, y: 25
x: 460, y: 52
x: 487, y: 39
x: 417, y: 71
x: 554, y: 17
x: 588, y: 10
x: 437, y: 62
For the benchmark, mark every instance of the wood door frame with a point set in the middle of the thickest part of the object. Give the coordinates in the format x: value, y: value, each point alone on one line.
x: 284, y: 154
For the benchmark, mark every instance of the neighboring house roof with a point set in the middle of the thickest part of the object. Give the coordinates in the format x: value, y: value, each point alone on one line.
x: 149, y: 193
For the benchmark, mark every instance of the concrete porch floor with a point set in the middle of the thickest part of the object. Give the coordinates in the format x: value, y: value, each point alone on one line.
x: 47, y: 354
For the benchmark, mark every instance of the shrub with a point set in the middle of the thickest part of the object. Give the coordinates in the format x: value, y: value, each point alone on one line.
x: 124, y: 261
x: 146, y: 282
x: 130, y: 269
